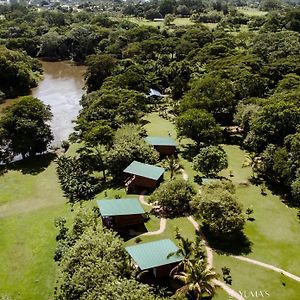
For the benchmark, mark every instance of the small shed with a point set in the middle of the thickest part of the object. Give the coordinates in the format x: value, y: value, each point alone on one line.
x: 207, y: 181
x: 118, y: 213
x: 143, y: 175
x: 164, y: 145
x: 155, y: 257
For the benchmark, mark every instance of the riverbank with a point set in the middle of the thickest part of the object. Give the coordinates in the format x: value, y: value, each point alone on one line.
x: 62, y: 88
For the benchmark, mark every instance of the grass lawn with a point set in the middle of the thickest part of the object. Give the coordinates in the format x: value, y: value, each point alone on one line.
x: 184, y: 226
x: 274, y: 233
x: 29, y: 204
x: 177, y: 22
x: 27, y: 244
x: 247, y: 277
x: 252, y: 12
x: 211, y: 26
x: 158, y: 126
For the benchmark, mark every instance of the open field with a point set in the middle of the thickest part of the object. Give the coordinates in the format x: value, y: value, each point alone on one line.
x: 247, y: 277
x: 29, y: 204
x: 252, y: 12
x: 177, y: 22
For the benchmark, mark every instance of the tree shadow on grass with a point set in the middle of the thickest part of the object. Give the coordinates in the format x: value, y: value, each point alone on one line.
x: 32, y: 165
x: 189, y: 151
x: 283, y: 192
x: 134, y: 231
x: 3, y: 170
x: 237, y: 245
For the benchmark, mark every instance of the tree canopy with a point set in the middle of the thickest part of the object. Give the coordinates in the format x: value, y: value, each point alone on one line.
x: 219, y: 210
x: 19, y: 73
x: 199, y: 125
x: 210, y: 160
x: 174, y: 197
x: 94, y: 263
x: 24, y: 126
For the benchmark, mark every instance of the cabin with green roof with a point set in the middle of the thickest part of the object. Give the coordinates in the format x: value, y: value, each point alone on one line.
x: 119, y: 213
x: 164, y: 145
x: 141, y: 175
x: 159, y: 257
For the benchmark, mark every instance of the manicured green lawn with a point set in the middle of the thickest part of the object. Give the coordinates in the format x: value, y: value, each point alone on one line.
x: 247, y: 277
x: 27, y: 244
x: 29, y: 204
x: 29, y: 186
x: 158, y: 126
x: 184, y: 226
x: 275, y: 231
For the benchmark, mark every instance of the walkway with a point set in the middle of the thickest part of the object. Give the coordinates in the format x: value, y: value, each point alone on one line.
x: 209, y: 253
x: 267, y: 266
x: 162, y: 228
x: 162, y: 223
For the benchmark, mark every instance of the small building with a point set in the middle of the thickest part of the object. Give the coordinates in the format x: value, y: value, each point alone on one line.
x: 140, y: 175
x: 155, y: 257
x: 164, y: 145
x: 207, y: 181
x: 118, y: 213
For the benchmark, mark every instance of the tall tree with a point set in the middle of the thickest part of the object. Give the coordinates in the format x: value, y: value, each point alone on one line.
x: 25, y: 126
x: 221, y: 213
x: 199, y: 125
x: 210, y: 160
x: 99, y: 67
x: 174, y: 197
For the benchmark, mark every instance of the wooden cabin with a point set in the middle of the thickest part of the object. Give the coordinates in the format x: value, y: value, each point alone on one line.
x: 154, y: 256
x: 119, y: 213
x: 165, y: 146
x: 140, y: 175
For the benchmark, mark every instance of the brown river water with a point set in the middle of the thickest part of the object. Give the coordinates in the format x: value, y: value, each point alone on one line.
x: 61, y: 88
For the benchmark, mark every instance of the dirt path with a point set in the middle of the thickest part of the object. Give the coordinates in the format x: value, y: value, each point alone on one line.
x: 209, y: 253
x: 184, y: 174
x: 267, y: 266
x: 228, y: 290
x: 162, y: 223
x: 143, y: 201
x: 162, y: 228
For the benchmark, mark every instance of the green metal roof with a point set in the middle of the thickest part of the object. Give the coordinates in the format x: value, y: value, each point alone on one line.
x: 120, y: 207
x: 144, y: 170
x: 160, y: 141
x: 209, y: 180
x: 154, y: 254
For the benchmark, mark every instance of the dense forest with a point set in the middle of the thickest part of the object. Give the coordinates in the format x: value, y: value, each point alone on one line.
x: 218, y: 80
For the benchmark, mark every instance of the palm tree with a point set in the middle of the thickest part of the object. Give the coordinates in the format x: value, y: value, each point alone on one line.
x: 189, y: 250
x: 171, y: 163
x: 197, y: 280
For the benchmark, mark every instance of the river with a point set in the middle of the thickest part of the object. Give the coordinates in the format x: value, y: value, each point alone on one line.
x: 61, y: 88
